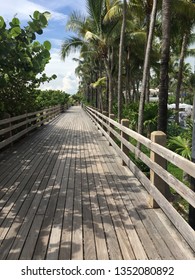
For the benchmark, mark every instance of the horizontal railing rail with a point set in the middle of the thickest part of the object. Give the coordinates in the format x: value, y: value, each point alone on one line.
x: 112, y: 129
x: 13, y: 128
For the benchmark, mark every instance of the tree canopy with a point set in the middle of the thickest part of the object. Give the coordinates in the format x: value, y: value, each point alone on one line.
x: 98, y: 34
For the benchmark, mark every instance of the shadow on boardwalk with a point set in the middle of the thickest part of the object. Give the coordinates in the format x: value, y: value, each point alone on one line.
x: 65, y: 195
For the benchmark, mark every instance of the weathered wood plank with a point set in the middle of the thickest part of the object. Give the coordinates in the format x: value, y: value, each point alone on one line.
x: 173, y: 215
x: 121, y: 197
x: 94, y: 181
x: 65, y: 249
x: 77, y: 235
x: 140, y: 241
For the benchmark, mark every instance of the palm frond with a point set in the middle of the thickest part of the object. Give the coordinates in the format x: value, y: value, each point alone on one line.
x: 181, y: 146
x: 75, y: 21
x: 95, y: 9
x: 113, y: 13
x: 99, y: 82
x: 190, y: 52
x: 89, y: 36
x: 71, y: 44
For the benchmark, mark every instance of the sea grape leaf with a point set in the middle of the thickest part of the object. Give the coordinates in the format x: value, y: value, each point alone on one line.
x: 47, y: 45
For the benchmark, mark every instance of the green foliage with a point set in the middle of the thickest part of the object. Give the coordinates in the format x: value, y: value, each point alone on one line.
x: 180, y: 140
x: 22, y: 62
x: 130, y: 111
x: 47, y: 98
x: 77, y: 97
x: 177, y: 172
x: 173, y: 129
x: 181, y: 146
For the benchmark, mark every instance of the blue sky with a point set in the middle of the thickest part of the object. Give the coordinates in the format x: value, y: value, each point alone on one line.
x: 55, y: 33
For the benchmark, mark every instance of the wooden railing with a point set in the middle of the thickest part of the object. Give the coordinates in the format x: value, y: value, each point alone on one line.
x: 13, y: 128
x: 112, y: 130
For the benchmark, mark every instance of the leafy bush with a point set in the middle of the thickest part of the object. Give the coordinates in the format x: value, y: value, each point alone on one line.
x: 47, y: 98
x: 22, y: 62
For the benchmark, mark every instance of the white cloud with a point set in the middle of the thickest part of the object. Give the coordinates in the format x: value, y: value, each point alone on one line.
x: 65, y: 71
x: 70, y: 83
x: 24, y: 8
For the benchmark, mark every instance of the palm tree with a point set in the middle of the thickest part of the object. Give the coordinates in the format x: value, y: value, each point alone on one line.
x: 121, y: 51
x: 97, y: 33
x: 164, y: 67
x: 186, y: 11
x: 146, y: 67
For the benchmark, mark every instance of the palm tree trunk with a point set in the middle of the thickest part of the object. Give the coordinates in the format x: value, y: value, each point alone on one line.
x: 180, y: 75
x: 164, y: 78
x: 128, y: 82
x: 109, y: 67
x: 121, y: 50
x: 192, y: 209
x: 146, y: 67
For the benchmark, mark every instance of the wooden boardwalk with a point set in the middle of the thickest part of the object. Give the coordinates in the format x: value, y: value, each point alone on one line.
x: 65, y: 195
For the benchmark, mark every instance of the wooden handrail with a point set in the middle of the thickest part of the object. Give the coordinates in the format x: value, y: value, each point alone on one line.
x: 29, y: 120
x: 189, y: 167
x: 181, y: 162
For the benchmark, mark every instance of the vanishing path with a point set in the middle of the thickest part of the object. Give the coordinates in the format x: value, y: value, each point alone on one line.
x: 65, y: 195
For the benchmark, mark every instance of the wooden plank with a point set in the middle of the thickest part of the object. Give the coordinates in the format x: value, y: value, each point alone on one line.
x: 19, y: 214
x: 47, y: 208
x: 9, y: 240
x: 55, y: 236
x: 171, y: 244
x: 22, y: 155
x: 138, y: 236
x: 122, y: 237
x: 77, y: 234
x: 181, y: 243
x: 120, y: 234
x: 88, y: 230
x: 165, y: 235
x: 65, y: 249
x: 168, y: 209
x: 94, y: 180
x: 26, y: 226
x: 107, y: 223
x: 121, y: 197
x: 178, y: 254
x: 30, y: 241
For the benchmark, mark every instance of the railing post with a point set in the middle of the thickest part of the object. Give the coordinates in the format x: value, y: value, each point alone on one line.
x: 125, y: 122
x: 95, y: 118
x: 62, y: 108
x: 41, y: 118
x: 111, y: 116
x: 191, y: 217
x: 160, y: 138
x: 10, y: 127
x: 105, y: 114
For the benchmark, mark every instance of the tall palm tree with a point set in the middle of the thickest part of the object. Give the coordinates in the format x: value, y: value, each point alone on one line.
x: 164, y: 66
x: 97, y: 33
x: 186, y: 11
x: 121, y: 52
x: 146, y: 66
